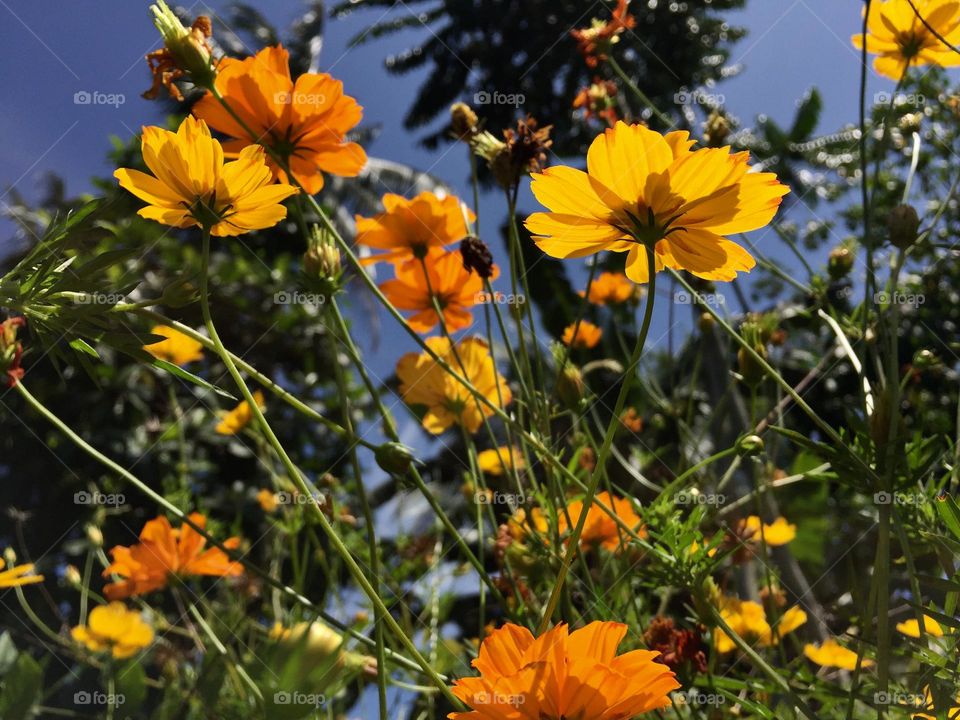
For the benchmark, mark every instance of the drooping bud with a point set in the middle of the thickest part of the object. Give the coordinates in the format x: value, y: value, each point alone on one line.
x: 186, y: 53
x: 903, y: 226
x: 477, y: 256
x: 394, y: 458
x: 463, y: 121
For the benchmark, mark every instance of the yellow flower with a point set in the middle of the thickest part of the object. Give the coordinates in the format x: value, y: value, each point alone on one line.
x: 588, y: 335
x: 832, y: 654
x: 749, y: 620
x: 643, y: 189
x: 268, y: 500
x: 424, y: 382
x: 17, y: 575
x: 611, y: 289
x: 497, y: 460
x: 780, y: 532
x: 928, y: 705
x: 191, y: 185
x: 563, y: 675
x: 237, y: 419
x: 900, y: 39
x: 178, y: 348
x: 911, y: 628
x: 112, y: 627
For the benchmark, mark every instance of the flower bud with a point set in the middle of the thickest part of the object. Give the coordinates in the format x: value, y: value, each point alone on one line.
x: 751, y: 444
x: 94, y: 535
x: 903, y: 226
x: 840, y: 263
x: 394, y: 458
x: 570, y: 386
x: 72, y: 576
x: 716, y: 129
x: 463, y: 120
x: 186, y: 52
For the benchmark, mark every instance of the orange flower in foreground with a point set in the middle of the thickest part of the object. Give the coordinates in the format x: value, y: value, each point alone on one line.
x: 192, y: 186
x: 610, y: 289
x: 164, y: 551
x: 305, y: 122
x: 563, y: 675
x: 588, y: 335
x: 423, y: 381
x: 407, y: 229
x: 599, y: 528
x: 455, y: 288
x: 646, y: 190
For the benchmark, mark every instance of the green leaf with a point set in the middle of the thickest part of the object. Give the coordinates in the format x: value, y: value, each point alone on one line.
x: 950, y: 514
x: 21, y: 687
x: 808, y: 116
x: 131, y: 682
x: 190, y: 377
x: 81, y: 345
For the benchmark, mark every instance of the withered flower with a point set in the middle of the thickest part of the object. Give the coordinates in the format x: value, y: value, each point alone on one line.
x: 477, y: 256
x: 679, y: 649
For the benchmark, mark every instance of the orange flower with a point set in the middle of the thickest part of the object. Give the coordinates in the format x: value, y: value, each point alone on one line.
x: 423, y: 381
x: 305, y: 122
x: 594, y: 42
x: 563, y: 675
x: 455, y: 288
x: 178, y: 348
x: 611, y: 289
x: 647, y: 190
x: 598, y: 100
x: 599, y: 528
x: 588, y: 335
x: 233, y: 421
x: 164, y: 551
x: 407, y: 229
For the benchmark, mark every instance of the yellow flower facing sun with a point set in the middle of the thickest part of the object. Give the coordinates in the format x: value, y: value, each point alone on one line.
x: 832, y: 654
x: 178, y: 348
x: 563, y: 675
x: 237, y: 419
x: 423, y: 381
x: 192, y: 186
x: 646, y: 190
x: 900, y: 39
x: 115, y: 629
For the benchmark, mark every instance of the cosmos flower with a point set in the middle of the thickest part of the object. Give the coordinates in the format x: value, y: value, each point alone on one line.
x: 563, y: 675
x: 610, y: 289
x: 643, y: 189
x: 237, y: 419
x: 830, y: 653
x: 598, y: 100
x: 115, y: 629
x: 192, y: 186
x: 305, y: 121
x: 594, y: 42
x: 900, y: 39
x: 165, y: 551
x: 599, y: 528
x: 18, y: 575
x: 928, y: 706
x: 455, y: 288
x: 779, y: 532
x: 495, y: 461
x: 408, y: 229
x: 424, y: 382
x: 267, y: 500
x: 749, y: 620
x: 911, y: 628
x: 587, y: 335
x: 178, y: 348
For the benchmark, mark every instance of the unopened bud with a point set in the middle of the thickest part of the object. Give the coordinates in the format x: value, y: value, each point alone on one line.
x: 394, y: 458
x: 187, y: 48
x: 94, y: 535
x: 751, y: 444
x: 840, y: 263
x: 463, y: 120
x: 570, y: 386
x: 903, y: 226
x: 72, y: 576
